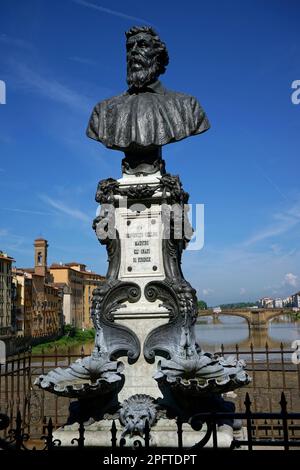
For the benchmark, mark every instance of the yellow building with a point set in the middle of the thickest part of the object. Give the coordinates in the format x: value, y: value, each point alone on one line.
x: 91, y: 281
x: 78, y: 284
x: 39, y: 301
x: 49, y: 297
x: 6, y: 305
x: 23, y: 301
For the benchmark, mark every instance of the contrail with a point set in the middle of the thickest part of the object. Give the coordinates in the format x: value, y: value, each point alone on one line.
x: 109, y: 11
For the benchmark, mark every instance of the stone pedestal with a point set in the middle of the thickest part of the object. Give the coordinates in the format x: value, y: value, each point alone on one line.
x: 140, y: 228
x: 163, y: 434
x: 146, y: 362
x: 139, y: 376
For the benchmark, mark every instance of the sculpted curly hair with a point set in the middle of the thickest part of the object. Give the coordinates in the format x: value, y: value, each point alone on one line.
x: 163, y: 56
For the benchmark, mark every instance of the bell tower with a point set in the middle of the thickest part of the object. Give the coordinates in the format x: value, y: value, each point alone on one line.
x: 40, y: 256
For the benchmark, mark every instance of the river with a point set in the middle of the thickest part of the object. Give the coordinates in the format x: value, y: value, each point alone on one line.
x: 231, y: 331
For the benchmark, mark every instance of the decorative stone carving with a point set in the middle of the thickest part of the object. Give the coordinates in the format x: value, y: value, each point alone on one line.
x: 119, y: 339
x: 85, y: 378
x: 101, y: 373
x: 173, y: 337
x: 135, y: 412
x: 98, y: 374
x: 184, y: 367
x: 203, y: 374
x: 169, y: 185
x: 106, y: 190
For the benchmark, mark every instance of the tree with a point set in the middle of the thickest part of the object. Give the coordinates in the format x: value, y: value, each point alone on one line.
x: 202, y: 305
x: 238, y: 305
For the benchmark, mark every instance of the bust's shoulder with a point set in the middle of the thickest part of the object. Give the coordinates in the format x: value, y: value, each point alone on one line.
x: 180, y: 96
x: 107, y: 102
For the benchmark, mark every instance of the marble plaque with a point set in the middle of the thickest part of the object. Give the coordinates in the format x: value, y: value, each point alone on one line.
x: 141, y: 245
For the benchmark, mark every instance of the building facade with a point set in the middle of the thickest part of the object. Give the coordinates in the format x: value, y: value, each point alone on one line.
x: 296, y: 300
x: 278, y: 303
x: 266, y: 302
x: 23, y: 300
x: 78, y: 284
x: 39, y: 303
x: 7, y: 320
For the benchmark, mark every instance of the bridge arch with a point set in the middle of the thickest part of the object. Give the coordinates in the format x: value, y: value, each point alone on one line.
x: 269, y: 315
x: 211, y: 313
x: 256, y: 318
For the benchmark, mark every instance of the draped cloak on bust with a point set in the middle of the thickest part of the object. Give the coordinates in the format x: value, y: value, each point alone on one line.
x: 153, y: 116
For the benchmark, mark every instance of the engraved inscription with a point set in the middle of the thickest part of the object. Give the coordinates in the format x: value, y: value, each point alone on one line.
x: 142, y: 245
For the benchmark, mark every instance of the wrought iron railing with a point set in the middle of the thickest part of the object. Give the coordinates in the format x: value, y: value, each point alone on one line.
x: 272, y: 372
x: 17, y: 439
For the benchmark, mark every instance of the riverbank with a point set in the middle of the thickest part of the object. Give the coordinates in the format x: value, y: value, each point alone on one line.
x: 72, y: 337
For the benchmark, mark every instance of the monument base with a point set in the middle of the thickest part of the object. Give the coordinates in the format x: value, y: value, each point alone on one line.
x: 145, y: 311
x: 163, y: 434
x: 139, y: 377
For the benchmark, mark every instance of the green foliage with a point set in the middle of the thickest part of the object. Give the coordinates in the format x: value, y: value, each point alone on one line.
x: 202, y: 305
x: 69, y: 330
x: 72, y: 337
x: 295, y: 315
x: 85, y: 336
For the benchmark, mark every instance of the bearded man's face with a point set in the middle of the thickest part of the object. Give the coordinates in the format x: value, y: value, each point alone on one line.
x: 142, y: 64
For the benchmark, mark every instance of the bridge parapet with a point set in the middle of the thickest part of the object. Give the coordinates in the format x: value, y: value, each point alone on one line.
x: 257, y: 318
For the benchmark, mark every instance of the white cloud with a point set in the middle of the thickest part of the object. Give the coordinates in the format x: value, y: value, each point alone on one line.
x: 207, y: 291
x: 272, y: 231
x: 83, y: 60
x: 27, y: 211
x: 11, y: 243
x: 285, y: 221
x: 51, y: 89
x: 62, y: 207
x: 291, y: 279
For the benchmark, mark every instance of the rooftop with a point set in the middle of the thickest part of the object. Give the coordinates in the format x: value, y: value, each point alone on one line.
x: 5, y: 256
x: 71, y: 265
x: 75, y: 263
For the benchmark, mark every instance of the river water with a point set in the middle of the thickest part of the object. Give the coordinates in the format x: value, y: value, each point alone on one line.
x: 231, y: 331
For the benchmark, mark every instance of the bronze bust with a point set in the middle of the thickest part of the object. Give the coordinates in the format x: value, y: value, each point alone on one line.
x: 147, y: 115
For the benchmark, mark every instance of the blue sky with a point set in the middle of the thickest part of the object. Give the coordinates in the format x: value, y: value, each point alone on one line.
x: 60, y: 57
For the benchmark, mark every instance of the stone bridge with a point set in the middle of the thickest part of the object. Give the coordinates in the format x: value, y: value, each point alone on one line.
x: 257, y: 318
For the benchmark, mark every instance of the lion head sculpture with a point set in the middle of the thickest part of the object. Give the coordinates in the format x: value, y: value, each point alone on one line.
x: 134, y: 413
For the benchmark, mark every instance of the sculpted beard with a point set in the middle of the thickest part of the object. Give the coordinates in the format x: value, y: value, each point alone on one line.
x: 149, y: 72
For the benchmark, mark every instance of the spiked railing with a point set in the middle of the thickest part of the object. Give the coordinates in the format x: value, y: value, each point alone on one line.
x: 16, y: 438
